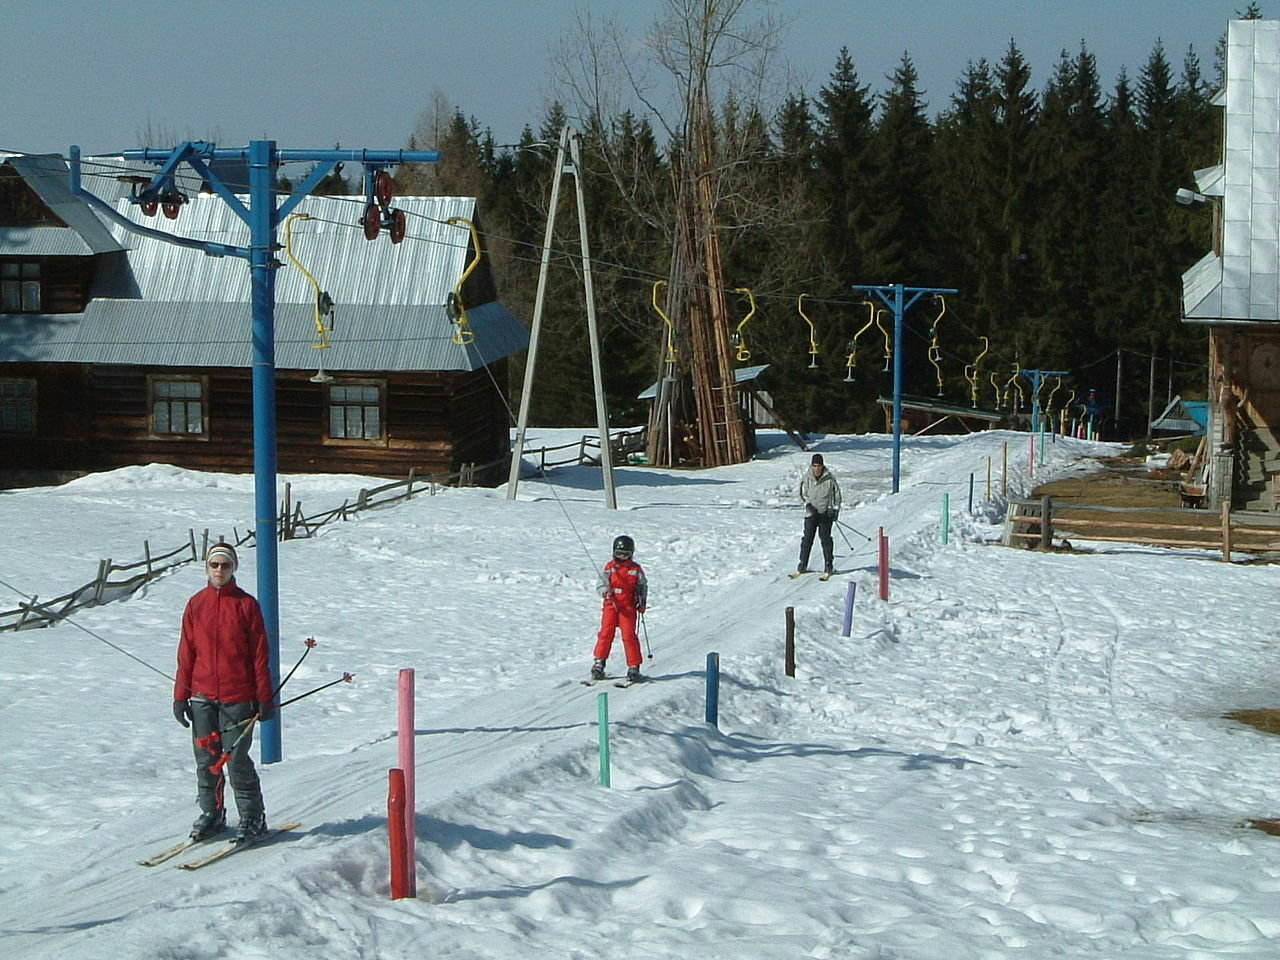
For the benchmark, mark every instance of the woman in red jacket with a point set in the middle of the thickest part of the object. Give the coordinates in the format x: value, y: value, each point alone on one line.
x: 222, y: 688
x: 624, y: 590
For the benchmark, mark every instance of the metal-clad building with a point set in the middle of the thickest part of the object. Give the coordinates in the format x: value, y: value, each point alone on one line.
x: 119, y: 348
x: 1235, y: 288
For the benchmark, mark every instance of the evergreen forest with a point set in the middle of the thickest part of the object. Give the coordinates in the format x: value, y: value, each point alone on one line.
x: 1050, y: 210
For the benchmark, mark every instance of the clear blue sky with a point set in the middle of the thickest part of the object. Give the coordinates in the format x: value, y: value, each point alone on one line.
x: 311, y: 73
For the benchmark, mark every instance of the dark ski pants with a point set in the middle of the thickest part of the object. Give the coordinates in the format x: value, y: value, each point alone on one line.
x: 208, y: 716
x: 821, y: 525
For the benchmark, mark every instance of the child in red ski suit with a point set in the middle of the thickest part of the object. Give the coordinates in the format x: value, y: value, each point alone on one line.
x: 624, y: 590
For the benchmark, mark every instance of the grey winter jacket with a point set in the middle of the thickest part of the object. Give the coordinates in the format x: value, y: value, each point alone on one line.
x: 822, y: 493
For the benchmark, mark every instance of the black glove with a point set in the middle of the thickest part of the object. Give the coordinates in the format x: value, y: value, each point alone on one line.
x: 265, y: 711
x: 833, y: 515
x: 182, y: 712
x: 810, y: 509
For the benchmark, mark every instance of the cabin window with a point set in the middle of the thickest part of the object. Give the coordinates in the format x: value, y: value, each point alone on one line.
x: 355, y: 411
x: 178, y: 407
x: 17, y: 405
x: 19, y: 287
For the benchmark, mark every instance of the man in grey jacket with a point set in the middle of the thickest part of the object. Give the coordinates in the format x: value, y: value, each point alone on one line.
x: 821, y: 497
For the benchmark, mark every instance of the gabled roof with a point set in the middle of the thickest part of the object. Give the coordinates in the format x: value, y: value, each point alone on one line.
x: 165, y: 305
x: 1183, y: 416
x: 84, y: 234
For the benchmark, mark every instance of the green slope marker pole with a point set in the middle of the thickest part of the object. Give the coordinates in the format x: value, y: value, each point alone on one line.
x: 602, y: 704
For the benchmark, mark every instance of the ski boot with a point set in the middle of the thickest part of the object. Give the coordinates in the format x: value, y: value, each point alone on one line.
x: 251, y: 829
x: 633, y: 675
x: 209, y: 824
x: 597, y: 669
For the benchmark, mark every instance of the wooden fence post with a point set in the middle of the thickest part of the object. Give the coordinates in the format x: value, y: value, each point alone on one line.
x: 408, y: 495
x: 191, y: 533
x: 1046, y: 522
x: 286, y: 512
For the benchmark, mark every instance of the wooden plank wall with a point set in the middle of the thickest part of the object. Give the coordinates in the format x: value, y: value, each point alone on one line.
x: 96, y: 417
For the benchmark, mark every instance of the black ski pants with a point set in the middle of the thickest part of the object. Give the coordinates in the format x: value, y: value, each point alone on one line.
x: 226, y: 719
x: 819, y: 523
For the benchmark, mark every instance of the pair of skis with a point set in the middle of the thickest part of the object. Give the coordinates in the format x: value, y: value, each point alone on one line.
x: 222, y: 851
x: 620, y: 682
x: 800, y: 573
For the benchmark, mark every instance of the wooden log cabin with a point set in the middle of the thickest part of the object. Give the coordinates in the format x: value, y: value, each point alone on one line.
x: 118, y: 349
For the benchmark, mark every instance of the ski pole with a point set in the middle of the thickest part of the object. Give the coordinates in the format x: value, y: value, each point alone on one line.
x: 858, y: 532
x: 309, y: 643
x: 844, y: 536
x: 645, y: 630
x: 345, y: 678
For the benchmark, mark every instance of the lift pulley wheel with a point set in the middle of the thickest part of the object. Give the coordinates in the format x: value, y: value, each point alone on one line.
x: 384, y: 188
x: 398, y: 225
x: 371, y: 221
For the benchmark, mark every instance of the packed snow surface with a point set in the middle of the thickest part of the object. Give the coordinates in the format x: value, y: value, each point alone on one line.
x: 1019, y: 754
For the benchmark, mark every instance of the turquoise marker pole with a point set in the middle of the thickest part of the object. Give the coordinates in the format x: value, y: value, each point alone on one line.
x: 713, y: 689
x: 946, y: 516
x: 1042, y: 443
x: 602, y: 703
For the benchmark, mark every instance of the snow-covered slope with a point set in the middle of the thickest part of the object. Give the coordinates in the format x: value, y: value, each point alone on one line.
x: 1017, y: 755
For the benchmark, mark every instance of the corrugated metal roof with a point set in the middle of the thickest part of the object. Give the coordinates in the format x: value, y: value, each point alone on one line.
x: 740, y: 375
x: 1202, y: 289
x: 369, y: 338
x: 331, y: 246
x: 1209, y: 181
x: 194, y: 310
x: 84, y: 235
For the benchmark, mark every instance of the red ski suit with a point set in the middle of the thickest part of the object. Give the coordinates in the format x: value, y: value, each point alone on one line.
x: 625, y: 592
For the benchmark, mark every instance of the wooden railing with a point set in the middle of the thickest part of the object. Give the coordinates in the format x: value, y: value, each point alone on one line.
x: 1040, y: 522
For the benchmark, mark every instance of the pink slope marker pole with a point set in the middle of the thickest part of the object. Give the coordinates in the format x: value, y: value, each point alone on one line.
x: 407, y: 732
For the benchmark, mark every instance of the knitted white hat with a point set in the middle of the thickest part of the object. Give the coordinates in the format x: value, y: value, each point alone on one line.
x: 225, y: 550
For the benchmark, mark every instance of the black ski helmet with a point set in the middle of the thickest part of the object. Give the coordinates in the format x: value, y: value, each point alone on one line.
x: 623, y: 548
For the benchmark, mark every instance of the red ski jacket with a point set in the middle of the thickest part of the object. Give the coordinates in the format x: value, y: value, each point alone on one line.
x: 625, y: 583
x: 223, y: 651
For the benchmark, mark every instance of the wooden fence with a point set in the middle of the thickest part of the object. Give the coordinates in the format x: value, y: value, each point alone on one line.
x: 1040, y: 522
x: 292, y: 524
x: 102, y: 588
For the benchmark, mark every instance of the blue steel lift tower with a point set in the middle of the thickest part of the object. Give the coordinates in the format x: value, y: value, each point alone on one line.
x: 263, y: 215
x: 899, y: 299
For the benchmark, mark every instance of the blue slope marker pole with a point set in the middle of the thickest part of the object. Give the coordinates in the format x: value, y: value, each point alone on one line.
x: 848, y: 609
